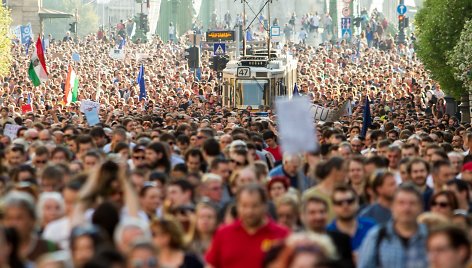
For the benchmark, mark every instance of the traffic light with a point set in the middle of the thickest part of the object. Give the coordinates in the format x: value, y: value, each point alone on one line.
x: 73, y: 27
x: 222, y: 61
x: 193, y: 57
x: 144, y: 24
x: 401, y: 21
x: 218, y: 63
x: 357, y: 21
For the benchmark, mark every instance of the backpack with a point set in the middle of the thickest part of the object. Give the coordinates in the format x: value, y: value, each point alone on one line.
x: 382, y: 234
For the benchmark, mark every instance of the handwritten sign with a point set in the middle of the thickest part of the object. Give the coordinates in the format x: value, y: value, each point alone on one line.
x: 88, y: 105
x: 296, y: 127
x: 11, y: 130
x: 324, y: 114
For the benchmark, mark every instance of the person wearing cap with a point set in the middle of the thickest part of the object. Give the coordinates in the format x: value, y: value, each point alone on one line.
x: 466, y: 173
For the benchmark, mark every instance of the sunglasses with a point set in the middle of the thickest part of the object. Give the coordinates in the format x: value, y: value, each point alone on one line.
x: 348, y: 201
x: 237, y: 163
x: 139, y: 157
x: 440, y: 204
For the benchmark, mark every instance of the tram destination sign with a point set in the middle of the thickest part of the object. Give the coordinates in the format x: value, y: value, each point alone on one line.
x: 216, y: 36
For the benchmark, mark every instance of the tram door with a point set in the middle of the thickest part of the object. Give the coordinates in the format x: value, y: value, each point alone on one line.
x: 228, y: 92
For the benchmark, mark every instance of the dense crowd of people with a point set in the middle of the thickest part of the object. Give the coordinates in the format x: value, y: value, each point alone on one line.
x: 178, y: 180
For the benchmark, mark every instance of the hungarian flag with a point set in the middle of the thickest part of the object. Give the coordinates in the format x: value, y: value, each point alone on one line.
x: 37, y: 68
x: 72, y: 86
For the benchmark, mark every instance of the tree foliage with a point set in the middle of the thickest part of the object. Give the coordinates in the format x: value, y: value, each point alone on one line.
x: 88, y: 19
x: 5, y: 41
x: 461, y: 57
x: 438, y: 27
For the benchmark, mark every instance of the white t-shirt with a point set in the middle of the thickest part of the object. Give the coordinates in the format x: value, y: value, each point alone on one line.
x: 58, y: 231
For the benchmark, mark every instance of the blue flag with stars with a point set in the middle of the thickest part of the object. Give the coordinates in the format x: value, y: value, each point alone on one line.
x: 142, y: 88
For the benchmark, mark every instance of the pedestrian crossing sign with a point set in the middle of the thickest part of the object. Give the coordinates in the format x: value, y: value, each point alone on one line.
x: 219, y: 49
x: 346, y: 33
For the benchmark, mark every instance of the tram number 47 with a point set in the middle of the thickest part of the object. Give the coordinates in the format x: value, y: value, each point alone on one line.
x: 244, y: 72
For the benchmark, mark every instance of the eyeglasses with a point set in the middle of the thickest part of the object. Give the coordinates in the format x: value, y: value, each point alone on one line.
x: 348, y: 201
x: 440, y: 204
x: 237, y: 163
x: 150, y: 263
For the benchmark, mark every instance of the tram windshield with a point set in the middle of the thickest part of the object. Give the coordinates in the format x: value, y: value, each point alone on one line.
x: 251, y: 92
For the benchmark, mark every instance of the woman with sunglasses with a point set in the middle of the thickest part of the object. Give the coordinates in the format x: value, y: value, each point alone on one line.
x: 444, y: 203
x: 168, y: 237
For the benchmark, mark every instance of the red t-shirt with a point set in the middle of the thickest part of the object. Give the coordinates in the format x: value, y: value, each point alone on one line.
x: 233, y: 247
x: 275, y: 152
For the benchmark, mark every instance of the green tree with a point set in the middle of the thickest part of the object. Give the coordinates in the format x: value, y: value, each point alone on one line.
x: 5, y: 41
x: 438, y: 27
x: 461, y: 57
x: 88, y: 19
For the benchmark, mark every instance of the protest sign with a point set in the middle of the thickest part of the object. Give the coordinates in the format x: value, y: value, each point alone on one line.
x: 117, y: 54
x: 296, y: 128
x: 324, y: 114
x: 88, y: 105
x: 92, y: 116
x: 11, y: 131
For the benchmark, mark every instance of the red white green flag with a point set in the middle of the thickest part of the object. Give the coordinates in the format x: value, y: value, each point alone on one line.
x: 37, y: 69
x: 71, y: 86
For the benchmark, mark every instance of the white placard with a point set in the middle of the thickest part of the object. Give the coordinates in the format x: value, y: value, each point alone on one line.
x: 11, y: 131
x: 117, y: 54
x: 296, y: 127
x: 88, y: 105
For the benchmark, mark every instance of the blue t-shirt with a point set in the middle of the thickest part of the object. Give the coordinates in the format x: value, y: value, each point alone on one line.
x: 363, y: 227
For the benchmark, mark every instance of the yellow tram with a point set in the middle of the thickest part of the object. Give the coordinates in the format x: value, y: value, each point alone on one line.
x: 255, y: 80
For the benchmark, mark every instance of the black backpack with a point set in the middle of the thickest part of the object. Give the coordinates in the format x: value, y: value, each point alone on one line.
x: 382, y: 234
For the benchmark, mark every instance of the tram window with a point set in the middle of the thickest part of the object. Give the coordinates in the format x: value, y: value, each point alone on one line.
x: 251, y: 92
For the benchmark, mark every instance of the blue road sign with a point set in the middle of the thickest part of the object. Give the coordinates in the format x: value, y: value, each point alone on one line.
x: 345, y: 23
x: 275, y: 31
x: 346, y: 33
x: 401, y: 9
x: 219, y: 49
